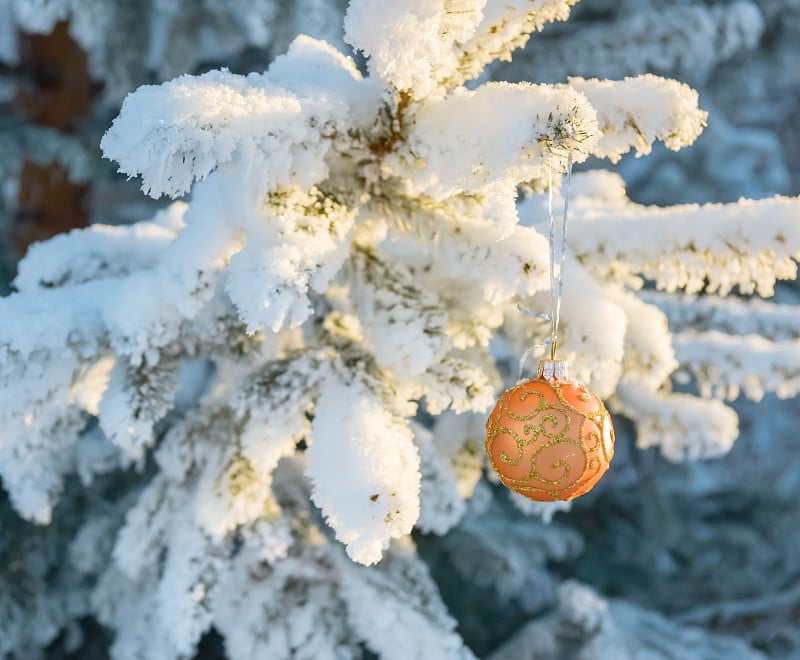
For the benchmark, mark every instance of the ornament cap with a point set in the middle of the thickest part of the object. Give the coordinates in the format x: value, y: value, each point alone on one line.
x: 552, y: 370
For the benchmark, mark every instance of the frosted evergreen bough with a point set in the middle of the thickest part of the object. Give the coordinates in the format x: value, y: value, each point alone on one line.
x: 298, y: 357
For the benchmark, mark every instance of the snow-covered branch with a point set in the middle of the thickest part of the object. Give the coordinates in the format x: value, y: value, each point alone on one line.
x: 726, y: 366
x: 273, y: 123
x: 711, y: 248
x: 373, y: 495
x: 682, y: 426
x: 506, y: 26
x: 731, y: 315
x: 543, y: 125
x: 424, y: 46
x: 99, y: 252
x: 608, y: 629
x: 635, y: 112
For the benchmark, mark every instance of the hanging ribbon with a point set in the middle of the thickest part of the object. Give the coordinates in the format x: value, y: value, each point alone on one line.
x: 558, y: 255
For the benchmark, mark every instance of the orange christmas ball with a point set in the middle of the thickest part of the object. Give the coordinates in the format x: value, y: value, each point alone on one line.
x: 550, y: 438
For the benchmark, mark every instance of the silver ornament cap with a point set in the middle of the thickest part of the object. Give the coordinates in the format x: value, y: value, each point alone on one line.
x: 552, y: 370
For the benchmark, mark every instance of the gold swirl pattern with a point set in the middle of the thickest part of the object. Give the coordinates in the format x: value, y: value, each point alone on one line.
x: 549, y: 439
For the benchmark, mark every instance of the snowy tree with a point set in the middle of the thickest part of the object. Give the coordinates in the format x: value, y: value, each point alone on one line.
x: 288, y: 371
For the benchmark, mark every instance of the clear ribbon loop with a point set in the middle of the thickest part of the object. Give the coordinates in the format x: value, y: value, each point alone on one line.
x: 538, y: 315
x: 558, y: 256
x: 526, y: 355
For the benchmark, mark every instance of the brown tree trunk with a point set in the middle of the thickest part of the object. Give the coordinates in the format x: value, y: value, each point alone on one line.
x: 58, y: 94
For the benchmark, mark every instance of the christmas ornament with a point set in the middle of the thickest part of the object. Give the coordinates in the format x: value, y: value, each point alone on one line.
x: 550, y: 438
